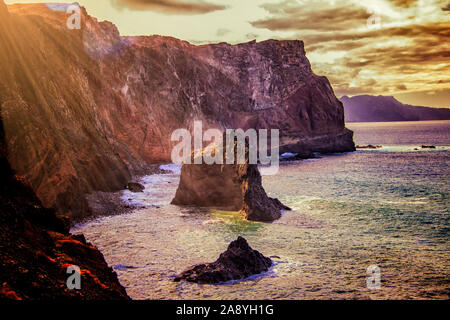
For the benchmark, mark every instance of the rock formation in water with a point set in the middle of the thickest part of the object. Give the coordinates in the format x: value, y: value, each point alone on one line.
x: 367, y: 108
x: 85, y: 110
x: 235, y: 187
x: 238, y: 262
x: 135, y: 187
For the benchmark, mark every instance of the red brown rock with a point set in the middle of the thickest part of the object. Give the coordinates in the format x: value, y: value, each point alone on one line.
x: 85, y: 110
x: 135, y: 187
x: 36, y: 249
x: 238, y: 262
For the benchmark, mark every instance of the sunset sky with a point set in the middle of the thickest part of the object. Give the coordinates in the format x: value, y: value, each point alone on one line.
x: 380, y: 47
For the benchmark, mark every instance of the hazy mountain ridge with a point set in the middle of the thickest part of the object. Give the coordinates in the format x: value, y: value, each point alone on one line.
x: 366, y: 108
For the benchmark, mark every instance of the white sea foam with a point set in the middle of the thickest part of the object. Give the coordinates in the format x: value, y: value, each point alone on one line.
x: 174, y: 168
x: 288, y: 155
x: 159, y: 188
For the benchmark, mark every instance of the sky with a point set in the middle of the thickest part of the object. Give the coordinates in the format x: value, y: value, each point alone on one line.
x: 377, y: 47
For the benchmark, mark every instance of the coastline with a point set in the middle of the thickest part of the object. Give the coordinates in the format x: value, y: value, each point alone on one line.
x: 349, y: 214
x: 103, y: 204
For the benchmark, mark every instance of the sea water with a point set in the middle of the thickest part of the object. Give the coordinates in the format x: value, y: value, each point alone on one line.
x: 387, y: 207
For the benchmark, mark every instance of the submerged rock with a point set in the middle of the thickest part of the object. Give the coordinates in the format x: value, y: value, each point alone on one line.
x: 238, y: 262
x: 135, y: 187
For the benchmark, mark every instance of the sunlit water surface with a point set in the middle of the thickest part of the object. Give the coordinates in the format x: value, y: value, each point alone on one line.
x: 387, y: 207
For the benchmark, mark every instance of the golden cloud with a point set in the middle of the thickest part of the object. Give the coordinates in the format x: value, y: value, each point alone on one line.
x: 407, y: 51
x: 170, y: 6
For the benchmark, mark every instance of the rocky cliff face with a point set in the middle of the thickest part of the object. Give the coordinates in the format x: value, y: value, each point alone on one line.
x: 86, y: 109
x: 36, y: 249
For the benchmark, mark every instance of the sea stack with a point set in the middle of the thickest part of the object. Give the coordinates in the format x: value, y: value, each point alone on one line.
x: 234, y: 187
x: 238, y: 262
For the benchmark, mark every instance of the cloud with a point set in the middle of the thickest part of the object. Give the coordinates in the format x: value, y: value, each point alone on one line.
x: 434, y: 98
x: 222, y: 32
x: 311, y: 17
x: 170, y: 6
x: 251, y: 36
x: 407, y: 52
x: 404, y: 3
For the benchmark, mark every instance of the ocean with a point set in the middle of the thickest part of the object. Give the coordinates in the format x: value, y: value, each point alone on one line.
x: 383, y: 209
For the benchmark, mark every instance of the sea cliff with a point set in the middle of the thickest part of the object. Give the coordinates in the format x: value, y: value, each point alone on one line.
x: 86, y: 109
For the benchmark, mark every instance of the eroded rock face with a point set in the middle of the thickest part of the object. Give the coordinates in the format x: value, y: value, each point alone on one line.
x: 83, y: 109
x: 234, y: 187
x: 238, y: 262
x: 257, y: 206
x: 36, y: 249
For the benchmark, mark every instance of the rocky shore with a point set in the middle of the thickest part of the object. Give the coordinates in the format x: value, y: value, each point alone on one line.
x: 111, y: 203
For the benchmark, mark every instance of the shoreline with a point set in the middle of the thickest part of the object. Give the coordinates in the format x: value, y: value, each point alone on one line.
x: 104, y: 204
x: 168, y: 251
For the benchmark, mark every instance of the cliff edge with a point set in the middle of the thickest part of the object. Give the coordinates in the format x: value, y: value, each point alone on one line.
x: 85, y: 109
